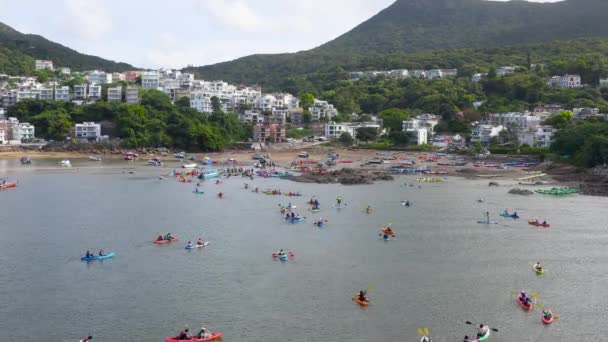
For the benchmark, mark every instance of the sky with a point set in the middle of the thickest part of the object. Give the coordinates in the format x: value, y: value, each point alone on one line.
x: 177, y: 33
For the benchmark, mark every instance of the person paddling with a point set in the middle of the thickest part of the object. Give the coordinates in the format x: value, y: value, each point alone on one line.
x: 362, y: 296
x: 466, y: 338
x: 168, y: 237
x: 483, y: 330
x: 538, y: 267
x: 101, y: 252
x: 190, y: 245
x: 87, y: 339
x: 200, y: 242
x: 203, y: 332
x: 547, y: 314
x: 184, y: 335
x: 89, y: 254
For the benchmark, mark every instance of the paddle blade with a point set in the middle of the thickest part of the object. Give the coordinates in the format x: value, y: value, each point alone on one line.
x: 370, y: 287
x: 420, y: 331
x: 535, y: 294
x: 426, y: 331
x: 467, y: 322
x: 494, y: 329
x: 514, y: 292
x: 539, y: 305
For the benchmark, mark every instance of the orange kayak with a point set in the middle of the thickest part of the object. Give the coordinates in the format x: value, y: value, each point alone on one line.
x: 361, y: 302
x: 388, y: 232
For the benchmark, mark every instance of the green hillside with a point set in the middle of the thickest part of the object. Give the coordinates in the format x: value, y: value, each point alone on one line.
x: 18, y: 52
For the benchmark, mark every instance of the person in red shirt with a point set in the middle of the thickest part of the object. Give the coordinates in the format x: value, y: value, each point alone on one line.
x: 88, y: 339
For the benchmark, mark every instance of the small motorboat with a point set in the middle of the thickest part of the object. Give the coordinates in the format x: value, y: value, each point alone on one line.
x: 94, y: 158
x: 189, y: 166
x: 65, y: 163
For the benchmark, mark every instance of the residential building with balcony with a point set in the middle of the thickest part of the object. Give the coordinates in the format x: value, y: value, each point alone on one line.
x: 566, y: 81
x: 99, y: 77
x: 80, y: 92
x: 115, y: 94
x: 87, y: 131
x: 62, y: 93
x: 132, y: 95
x: 150, y: 79
x: 44, y: 65
x: 321, y: 109
x: 94, y: 92
x: 541, y: 136
x: 333, y: 130
x: 484, y: 133
x: 46, y: 94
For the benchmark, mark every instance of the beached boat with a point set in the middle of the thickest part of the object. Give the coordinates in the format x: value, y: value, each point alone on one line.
x: 189, y: 166
x: 94, y: 158
x: 7, y: 185
x: 65, y: 163
x: 26, y: 160
x: 557, y: 191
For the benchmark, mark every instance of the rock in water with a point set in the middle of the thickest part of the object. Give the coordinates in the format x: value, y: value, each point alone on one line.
x: 521, y: 192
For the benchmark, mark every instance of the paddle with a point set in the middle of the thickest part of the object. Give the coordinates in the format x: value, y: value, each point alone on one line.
x: 420, y: 331
x: 426, y: 331
x: 493, y: 329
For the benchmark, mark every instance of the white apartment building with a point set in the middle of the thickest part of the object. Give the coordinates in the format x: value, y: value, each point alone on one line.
x: 132, y: 95
x: 44, y: 65
x: 320, y: 109
x: 483, y: 133
x: 505, y: 70
x: 423, y: 121
x: 99, y: 77
x: 252, y: 115
x: 517, y: 120
x: 9, y: 98
x: 80, y: 92
x: 46, y: 94
x: 23, y: 131
x: 586, y: 113
x: 115, y: 94
x: 32, y: 94
x: 87, y: 131
x: 150, y: 79
x: 94, y: 92
x: 478, y: 77
x: 334, y: 130
x: 541, y: 136
x: 62, y: 93
x: 399, y: 73
x: 566, y: 81
x: 603, y: 82
x: 66, y: 71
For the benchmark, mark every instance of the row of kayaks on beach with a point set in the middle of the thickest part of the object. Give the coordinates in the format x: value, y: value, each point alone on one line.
x: 429, y: 180
x: 557, y: 191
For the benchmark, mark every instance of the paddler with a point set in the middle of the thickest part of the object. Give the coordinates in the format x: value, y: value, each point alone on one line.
x: 538, y: 267
x: 190, y: 244
x: 281, y: 253
x: 200, y: 242
x: 101, y: 252
x: 184, y: 335
x: 362, y: 296
x: 369, y: 209
x: 466, y: 338
x: 203, y: 333
x: 338, y: 200
x: 483, y: 330
x: 87, y: 339
x: 547, y: 314
x: 220, y: 195
x: 168, y: 237
x: 89, y: 254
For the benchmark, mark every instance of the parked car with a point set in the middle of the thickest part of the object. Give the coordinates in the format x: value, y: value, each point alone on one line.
x: 303, y: 154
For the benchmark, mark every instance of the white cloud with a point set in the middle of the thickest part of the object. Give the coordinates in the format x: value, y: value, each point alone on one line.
x: 88, y: 18
x: 236, y: 14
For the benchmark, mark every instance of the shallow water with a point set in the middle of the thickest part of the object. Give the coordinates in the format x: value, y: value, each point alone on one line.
x: 442, y: 269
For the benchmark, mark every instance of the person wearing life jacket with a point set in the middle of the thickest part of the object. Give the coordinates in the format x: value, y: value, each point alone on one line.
x: 184, y: 335
x: 190, y: 244
x: 203, y: 333
x: 362, y: 296
x: 547, y: 314
x: 101, y: 252
x: 168, y: 237
x: 538, y: 267
x: 200, y: 242
x: 483, y: 330
x: 89, y: 254
x: 87, y: 339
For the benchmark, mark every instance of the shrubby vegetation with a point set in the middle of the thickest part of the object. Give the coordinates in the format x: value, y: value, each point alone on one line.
x: 584, y: 143
x: 156, y: 122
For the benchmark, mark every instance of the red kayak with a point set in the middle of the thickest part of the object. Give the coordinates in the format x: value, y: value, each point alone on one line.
x: 548, y: 321
x: 214, y: 336
x: 538, y: 224
x: 8, y: 185
x: 162, y: 242
x: 523, y: 305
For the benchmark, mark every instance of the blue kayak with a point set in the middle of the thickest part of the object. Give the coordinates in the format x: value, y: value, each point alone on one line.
x: 283, y: 257
x: 97, y: 257
x: 513, y: 216
x: 294, y: 220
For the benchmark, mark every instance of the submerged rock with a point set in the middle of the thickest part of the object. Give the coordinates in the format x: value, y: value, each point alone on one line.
x: 345, y: 176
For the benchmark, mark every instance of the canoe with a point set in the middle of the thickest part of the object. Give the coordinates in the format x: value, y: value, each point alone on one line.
x: 162, y: 242
x: 197, y: 246
x: 541, y: 271
x: 523, y: 305
x: 97, y: 257
x: 361, y: 302
x: 387, y: 232
x: 538, y: 224
x: 214, y: 336
x: 548, y: 321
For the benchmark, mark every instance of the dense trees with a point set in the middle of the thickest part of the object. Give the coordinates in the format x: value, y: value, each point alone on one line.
x: 155, y: 122
x: 585, y: 143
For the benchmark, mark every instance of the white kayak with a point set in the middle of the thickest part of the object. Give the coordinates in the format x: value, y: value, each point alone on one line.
x: 197, y: 245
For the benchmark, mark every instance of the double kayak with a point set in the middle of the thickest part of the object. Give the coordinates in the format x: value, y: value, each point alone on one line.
x: 548, y: 320
x: 197, y: 245
x: 360, y: 302
x: 162, y: 242
x: 97, y: 257
x: 214, y: 336
x: 538, y: 224
x: 513, y: 216
x: 283, y: 257
x: 523, y: 305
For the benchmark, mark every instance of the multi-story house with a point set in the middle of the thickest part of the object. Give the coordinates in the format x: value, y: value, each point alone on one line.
x: 99, y: 77
x: 42, y: 65
x: 322, y: 109
x: 87, y: 131
x: 2, y: 136
x: 586, y: 113
x: 115, y: 94
x: 517, y: 120
x: 62, y: 93
x: 551, y: 108
x: 47, y: 94
x: 252, y: 115
x: 23, y: 131
x: 118, y: 77
x: 422, y: 126
x: 94, y: 92
x: 131, y: 76
x: 9, y: 98
x: 484, y: 133
x: 80, y: 92
x: 150, y: 79
x: 541, y: 136
x: 505, y: 70
x: 334, y: 130
x: 132, y: 95
x: 31, y: 94
x: 566, y: 81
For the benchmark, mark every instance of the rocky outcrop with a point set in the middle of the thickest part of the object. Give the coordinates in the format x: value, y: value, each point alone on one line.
x: 524, y: 192
x: 493, y: 184
x: 345, y: 176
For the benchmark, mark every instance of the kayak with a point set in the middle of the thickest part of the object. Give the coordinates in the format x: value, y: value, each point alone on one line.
x: 214, y: 336
x: 487, y: 222
x: 361, y: 302
x: 513, y: 216
x: 283, y: 257
x: 484, y: 337
x: 314, y: 210
x: 388, y: 232
x: 162, y: 242
x: 523, y: 305
x: 294, y: 220
x: 197, y: 245
x: 538, y: 224
x: 541, y: 271
x: 8, y: 185
x: 198, y: 192
x: 97, y: 257
x: 547, y: 321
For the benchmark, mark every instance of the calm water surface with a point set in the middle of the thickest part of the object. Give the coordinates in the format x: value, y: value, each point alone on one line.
x: 442, y: 270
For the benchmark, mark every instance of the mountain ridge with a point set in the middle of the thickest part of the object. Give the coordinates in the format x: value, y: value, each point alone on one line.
x: 15, y: 45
